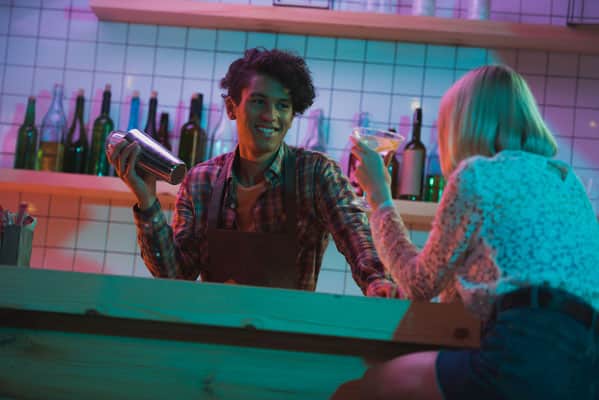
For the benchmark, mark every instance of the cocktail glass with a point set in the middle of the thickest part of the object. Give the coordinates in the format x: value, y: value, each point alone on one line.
x: 380, y: 140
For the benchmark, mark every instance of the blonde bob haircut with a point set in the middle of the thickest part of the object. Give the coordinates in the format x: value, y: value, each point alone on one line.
x: 488, y: 110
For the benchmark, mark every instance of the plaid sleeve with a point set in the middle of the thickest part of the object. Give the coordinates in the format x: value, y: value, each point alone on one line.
x: 348, y: 223
x: 175, y: 252
x: 154, y: 237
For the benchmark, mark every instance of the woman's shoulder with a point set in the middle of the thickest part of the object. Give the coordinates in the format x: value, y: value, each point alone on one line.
x: 479, y: 174
x: 506, y: 162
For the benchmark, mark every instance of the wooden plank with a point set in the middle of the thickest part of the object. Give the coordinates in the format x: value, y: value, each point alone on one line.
x: 417, y: 214
x: 448, y: 31
x: 76, y: 185
x: 55, y: 365
x: 246, y: 336
x: 71, y: 335
x: 209, y: 304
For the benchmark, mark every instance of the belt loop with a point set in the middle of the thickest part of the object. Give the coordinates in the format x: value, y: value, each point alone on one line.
x: 534, y: 296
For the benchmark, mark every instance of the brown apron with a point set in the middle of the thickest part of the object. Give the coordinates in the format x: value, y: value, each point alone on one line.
x: 253, y: 258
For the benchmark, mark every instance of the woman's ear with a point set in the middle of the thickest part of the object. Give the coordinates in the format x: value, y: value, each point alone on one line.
x: 230, y: 106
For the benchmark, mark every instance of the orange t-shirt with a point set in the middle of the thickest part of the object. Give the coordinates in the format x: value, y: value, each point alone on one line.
x: 246, y: 199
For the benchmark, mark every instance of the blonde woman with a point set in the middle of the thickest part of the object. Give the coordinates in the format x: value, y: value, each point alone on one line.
x: 515, y: 239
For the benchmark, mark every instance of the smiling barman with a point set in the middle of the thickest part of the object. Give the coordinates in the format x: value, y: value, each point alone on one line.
x: 260, y: 215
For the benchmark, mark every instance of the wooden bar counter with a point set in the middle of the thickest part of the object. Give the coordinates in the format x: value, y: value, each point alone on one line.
x: 67, y: 335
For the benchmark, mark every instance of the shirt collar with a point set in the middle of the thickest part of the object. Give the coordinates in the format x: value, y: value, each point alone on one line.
x: 273, y: 173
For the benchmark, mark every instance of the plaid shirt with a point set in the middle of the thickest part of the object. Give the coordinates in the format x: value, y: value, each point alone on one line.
x: 326, y: 203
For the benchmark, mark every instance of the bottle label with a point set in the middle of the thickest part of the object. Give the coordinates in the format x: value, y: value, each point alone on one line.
x: 412, y: 170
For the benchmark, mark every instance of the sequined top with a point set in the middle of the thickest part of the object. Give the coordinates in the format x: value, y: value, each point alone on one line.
x: 504, y: 222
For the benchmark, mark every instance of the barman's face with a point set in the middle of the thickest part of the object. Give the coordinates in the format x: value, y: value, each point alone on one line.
x: 264, y: 115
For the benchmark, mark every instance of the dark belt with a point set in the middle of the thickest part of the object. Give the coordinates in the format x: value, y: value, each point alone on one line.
x: 551, y: 299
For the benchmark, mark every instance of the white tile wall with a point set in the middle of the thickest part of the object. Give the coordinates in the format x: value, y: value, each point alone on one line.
x: 321, y: 47
x: 589, y: 66
x: 119, y: 264
x: 21, y: 50
x: 88, y: 261
x: 43, y: 42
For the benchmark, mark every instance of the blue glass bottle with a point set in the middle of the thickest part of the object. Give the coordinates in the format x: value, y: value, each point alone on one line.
x: 134, y: 112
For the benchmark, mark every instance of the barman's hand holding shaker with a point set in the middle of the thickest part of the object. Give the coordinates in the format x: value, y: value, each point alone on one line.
x: 154, y: 159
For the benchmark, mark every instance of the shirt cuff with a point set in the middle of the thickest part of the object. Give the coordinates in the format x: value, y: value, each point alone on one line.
x: 382, y: 215
x: 386, y: 203
x: 148, y: 213
x: 151, y: 219
x: 383, y: 288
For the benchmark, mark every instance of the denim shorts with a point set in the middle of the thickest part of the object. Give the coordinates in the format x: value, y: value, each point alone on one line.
x: 527, y: 352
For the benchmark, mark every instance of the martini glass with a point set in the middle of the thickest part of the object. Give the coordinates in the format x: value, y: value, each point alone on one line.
x: 380, y: 140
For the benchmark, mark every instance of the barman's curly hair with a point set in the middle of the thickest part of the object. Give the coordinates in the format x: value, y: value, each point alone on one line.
x: 287, y: 68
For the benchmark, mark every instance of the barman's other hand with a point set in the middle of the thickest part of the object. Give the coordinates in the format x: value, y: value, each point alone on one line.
x: 123, y: 156
x: 372, y: 174
x: 383, y: 288
x: 351, y: 390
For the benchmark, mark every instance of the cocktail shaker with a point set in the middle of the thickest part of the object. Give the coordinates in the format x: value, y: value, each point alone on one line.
x: 153, y: 159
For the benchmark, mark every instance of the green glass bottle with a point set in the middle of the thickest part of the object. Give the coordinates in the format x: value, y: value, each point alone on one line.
x: 192, y: 145
x: 163, y: 137
x: 150, y: 128
x: 98, y: 163
x: 393, y: 169
x: 76, y: 146
x: 25, y: 156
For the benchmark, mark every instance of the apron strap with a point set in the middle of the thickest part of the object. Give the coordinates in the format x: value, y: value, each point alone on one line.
x: 290, y: 201
x: 216, y: 198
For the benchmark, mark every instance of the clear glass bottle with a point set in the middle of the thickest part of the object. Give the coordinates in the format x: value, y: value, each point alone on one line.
x: 25, y: 154
x: 423, y: 7
x: 315, y: 138
x: 478, y: 9
x: 224, y: 138
x: 98, y: 163
x: 192, y: 145
x: 76, y: 145
x: 52, y: 134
